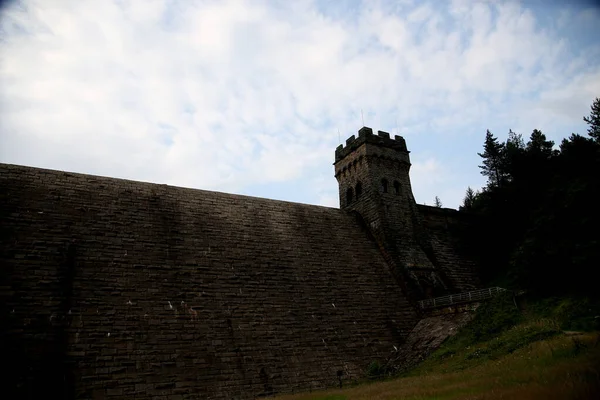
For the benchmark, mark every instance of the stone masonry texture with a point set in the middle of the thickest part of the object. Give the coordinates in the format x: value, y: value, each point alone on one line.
x: 443, y: 225
x: 373, y: 176
x: 119, y: 289
x: 112, y: 288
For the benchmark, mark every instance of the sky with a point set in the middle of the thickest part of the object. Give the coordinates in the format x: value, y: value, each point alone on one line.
x: 248, y: 97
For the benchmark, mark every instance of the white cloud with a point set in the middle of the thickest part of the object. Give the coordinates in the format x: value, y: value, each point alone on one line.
x: 225, y: 95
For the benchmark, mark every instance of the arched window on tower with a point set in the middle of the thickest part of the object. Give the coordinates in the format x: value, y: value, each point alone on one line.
x: 396, y: 187
x: 358, y: 190
x: 384, y: 185
x: 349, y: 196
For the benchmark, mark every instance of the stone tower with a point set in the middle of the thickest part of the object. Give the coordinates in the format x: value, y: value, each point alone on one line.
x: 373, y: 176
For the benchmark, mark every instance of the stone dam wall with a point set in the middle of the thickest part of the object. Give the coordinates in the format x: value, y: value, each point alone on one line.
x: 443, y: 226
x: 118, y: 289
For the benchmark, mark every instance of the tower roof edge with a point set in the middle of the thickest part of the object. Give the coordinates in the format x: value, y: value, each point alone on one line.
x: 365, y: 135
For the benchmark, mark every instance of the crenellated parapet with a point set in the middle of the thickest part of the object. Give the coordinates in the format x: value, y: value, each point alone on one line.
x: 374, y: 149
x: 365, y: 135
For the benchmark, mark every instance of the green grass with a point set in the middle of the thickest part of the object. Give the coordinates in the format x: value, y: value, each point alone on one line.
x: 569, y: 313
x: 503, y: 353
x: 500, y: 328
x: 561, y: 367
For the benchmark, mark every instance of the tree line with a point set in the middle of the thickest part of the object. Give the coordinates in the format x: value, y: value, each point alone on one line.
x: 536, y: 222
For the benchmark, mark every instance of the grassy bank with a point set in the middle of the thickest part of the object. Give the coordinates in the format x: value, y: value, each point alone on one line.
x: 505, y: 353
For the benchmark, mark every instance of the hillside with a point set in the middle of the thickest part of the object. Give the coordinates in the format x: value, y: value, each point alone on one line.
x: 504, y: 353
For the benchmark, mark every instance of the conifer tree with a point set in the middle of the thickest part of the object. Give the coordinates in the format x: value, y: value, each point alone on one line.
x: 541, y: 195
x: 493, y: 160
x: 538, y: 144
x: 594, y: 120
x: 468, y: 200
x: 513, y: 155
x: 438, y: 202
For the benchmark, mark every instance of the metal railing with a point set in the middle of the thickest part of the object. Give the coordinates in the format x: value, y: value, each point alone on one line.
x: 466, y: 297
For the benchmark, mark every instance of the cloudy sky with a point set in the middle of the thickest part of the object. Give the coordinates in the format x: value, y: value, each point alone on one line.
x: 248, y: 96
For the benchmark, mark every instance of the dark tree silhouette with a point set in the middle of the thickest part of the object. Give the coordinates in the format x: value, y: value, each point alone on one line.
x: 468, y: 200
x: 538, y: 144
x: 536, y: 227
x: 493, y: 155
x: 593, y: 120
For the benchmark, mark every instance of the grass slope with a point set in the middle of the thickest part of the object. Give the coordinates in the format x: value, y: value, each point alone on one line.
x: 503, y: 354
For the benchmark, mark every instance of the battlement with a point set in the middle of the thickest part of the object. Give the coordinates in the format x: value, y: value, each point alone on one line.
x: 365, y: 135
